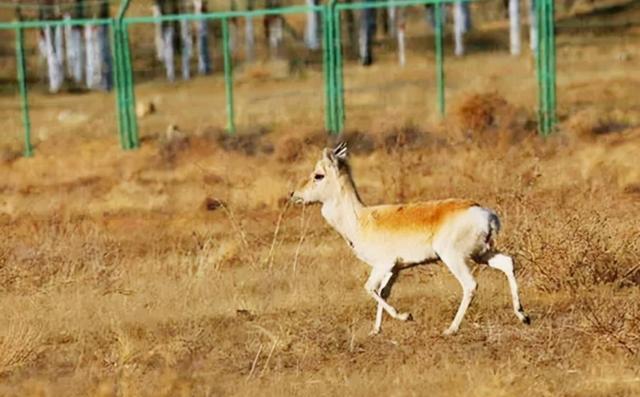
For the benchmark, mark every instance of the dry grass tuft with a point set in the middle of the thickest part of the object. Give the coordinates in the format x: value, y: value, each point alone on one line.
x: 171, y: 144
x: 290, y: 149
x: 478, y: 113
x: 614, y: 322
x: 249, y: 143
x: 359, y: 143
x: 595, y: 251
x: 409, y: 136
x: 489, y: 117
x: 20, y: 344
x: 8, y: 155
x: 591, y: 123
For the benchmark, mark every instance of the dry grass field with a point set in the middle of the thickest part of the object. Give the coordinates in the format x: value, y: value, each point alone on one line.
x: 180, y: 269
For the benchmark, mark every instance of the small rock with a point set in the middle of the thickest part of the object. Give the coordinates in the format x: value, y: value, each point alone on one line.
x: 212, y: 204
x: 244, y: 313
x: 145, y: 108
x: 624, y: 57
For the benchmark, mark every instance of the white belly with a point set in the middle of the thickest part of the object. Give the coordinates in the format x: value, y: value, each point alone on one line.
x: 386, y: 250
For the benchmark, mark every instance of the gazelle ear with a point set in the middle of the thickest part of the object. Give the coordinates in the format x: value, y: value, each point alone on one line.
x: 340, y: 151
x: 328, y: 155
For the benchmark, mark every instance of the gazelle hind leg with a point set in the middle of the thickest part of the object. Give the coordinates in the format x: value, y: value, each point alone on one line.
x: 504, y: 263
x: 457, y: 264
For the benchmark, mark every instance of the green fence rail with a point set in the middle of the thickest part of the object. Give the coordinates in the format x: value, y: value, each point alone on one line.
x: 332, y: 59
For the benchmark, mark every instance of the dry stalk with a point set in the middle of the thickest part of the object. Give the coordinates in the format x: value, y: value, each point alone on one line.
x: 234, y: 223
x: 303, y: 234
x: 266, y: 363
x: 270, y: 256
x: 254, y: 363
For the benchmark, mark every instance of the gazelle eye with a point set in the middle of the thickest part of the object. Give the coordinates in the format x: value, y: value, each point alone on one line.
x: 318, y: 177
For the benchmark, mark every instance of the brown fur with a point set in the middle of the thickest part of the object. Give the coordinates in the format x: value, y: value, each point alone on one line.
x: 425, y: 216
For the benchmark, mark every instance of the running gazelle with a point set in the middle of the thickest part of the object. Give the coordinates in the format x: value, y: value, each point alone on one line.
x: 390, y: 237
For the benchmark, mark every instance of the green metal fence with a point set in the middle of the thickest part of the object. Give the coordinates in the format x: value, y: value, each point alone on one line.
x: 19, y: 28
x: 332, y: 58
x: 336, y: 80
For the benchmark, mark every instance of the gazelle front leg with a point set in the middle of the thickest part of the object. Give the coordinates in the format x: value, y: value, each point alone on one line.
x: 378, y: 279
x: 383, y: 284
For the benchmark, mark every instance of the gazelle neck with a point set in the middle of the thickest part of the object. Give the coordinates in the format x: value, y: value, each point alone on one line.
x: 343, y: 210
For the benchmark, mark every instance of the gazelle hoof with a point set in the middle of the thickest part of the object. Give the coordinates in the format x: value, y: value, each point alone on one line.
x: 374, y: 332
x: 523, y: 317
x: 405, y: 317
x: 449, y: 332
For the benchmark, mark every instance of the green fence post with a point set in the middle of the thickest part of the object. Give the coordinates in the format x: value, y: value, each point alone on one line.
x: 439, y: 56
x: 22, y: 84
x: 552, y: 65
x: 121, y: 77
x: 134, y: 141
x: 333, y: 128
x: 339, y: 70
x: 547, y: 71
x: 126, y: 134
x: 326, y: 67
x: 542, y: 63
x: 115, y: 39
x: 228, y: 76
x: 538, y: 52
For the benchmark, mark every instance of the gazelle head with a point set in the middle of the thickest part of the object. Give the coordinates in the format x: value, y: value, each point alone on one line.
x: 324, y: 182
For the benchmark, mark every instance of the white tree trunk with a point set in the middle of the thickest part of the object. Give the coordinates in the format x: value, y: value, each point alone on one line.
x: 68, y: 41
x: 73, y: 41
x: 311, y: 29
x: 157, y: 37
x: 104, y: 57
x: 392, y: 20
x: 93, y: 57
x: 59, y: 47
x: 167, y: 46
x: 400, y: 27
x: 97, y: 57
x: 275, y: 35
x: 202, y: 39
x: 249, y: 39
x: 88, y: 40
x: 42, y: 50
x: 55, y: 70
x: 533, y: 26
x: 458, y: 29
x: 514, y: 26
x: 366, y: 32
x: 401, y: 48
x: 187, y: 49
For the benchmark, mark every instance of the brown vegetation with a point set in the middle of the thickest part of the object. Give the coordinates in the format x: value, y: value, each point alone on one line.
x: 136, y: 279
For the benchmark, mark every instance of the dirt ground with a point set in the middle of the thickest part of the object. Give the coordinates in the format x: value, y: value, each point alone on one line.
x: 180, y: 269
